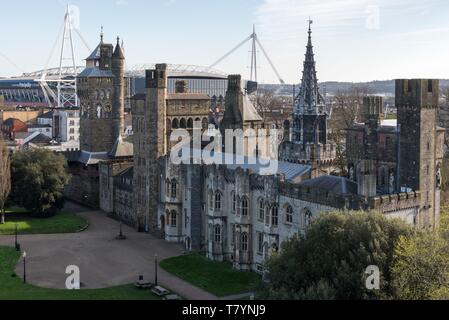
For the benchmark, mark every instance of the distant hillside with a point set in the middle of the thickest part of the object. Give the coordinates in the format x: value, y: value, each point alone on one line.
x: 332, y: 87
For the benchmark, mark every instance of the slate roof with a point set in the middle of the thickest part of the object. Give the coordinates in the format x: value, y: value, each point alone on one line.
x: 96, y: 73
x: 40, y: 139
x: 23, y: 135
x: 291, y: 171
x: 95, y: 55
x: 47, y: 115
x: 89, y: 158
x: 122, y: 149
x: 333, y: 184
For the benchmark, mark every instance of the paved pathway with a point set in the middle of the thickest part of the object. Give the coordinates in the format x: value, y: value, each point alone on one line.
x: 103, y: 261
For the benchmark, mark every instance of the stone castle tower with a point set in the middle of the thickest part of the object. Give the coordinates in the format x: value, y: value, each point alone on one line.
x: 101, y: 89
x: 372, y: 113
x: 150, y: 144
x: 420, y: 156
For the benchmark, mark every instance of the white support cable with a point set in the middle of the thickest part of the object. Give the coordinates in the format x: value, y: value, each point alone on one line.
x: 11, y: 62
x: 231, y: 52
x: 270, y: 62
x: 86, y: 44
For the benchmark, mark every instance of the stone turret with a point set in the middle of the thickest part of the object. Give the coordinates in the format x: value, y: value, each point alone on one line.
x: 372, y: 116
x: 420, y: 147
x: 118, y: 103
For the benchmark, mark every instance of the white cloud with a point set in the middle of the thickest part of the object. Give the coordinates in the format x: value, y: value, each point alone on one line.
x: 121, y: 2
x: 284, y: 18
x: 346, y: 39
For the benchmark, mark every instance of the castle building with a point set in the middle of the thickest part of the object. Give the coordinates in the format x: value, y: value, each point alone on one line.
x: 240, y: 212
x: 309, y: 137
x: 390, y: 157
x: 101, y: 90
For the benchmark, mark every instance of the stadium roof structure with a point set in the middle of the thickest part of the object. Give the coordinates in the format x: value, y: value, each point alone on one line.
x: 174, y: 70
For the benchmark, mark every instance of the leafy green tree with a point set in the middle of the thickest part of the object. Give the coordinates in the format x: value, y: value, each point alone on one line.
x: 331, y: 260
x: 421, y: 267
x: 38, y: 180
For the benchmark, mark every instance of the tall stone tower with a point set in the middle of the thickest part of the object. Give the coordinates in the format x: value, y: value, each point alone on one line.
x: 417, y: 103
x: 150, y: 144
x: 309, y: 118
x: 101, y: 91
x: 372, y: 116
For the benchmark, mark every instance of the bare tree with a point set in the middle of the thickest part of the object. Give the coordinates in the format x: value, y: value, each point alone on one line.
x: 268, y: 103
x: 346, y: 110
x: 5, y: 178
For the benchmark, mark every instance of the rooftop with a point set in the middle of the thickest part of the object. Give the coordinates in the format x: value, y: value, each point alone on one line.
x: 332, y: 184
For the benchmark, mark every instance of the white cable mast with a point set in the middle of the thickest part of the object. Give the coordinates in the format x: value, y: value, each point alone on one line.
x: 255, y: 43
x: 65, y: 80
x: 66, y: 84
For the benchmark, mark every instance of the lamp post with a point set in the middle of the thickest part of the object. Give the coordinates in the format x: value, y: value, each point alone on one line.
x: 155, y: 269
x: 24, y: 256
x: 121, y: 236
x: 16, y: 232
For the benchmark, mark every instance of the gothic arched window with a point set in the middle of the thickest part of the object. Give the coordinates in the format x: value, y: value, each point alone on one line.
x: 174, y: 188
x: 217, y: 233
x: 217, y: 200
x: 275, y: 216
x: 174, y: 219
x: 261, y: 210
x: 244, y: 242
x: 289, y: 214
x: 244, y: 207
x: 190, y: 123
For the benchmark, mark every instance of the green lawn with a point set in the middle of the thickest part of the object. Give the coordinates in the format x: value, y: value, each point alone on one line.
x: 61, y: 223
x: 391, y: 116
x: 13, y: 288
x: 217, y: 278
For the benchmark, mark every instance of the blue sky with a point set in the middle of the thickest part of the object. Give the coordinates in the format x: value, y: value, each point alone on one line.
x: 355, y: 40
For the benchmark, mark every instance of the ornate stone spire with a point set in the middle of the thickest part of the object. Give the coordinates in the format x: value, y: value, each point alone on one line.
x: 310, y: 101
x: 309, y: 118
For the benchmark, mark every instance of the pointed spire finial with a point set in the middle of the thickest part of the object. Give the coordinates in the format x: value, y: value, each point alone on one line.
x: 102, y: 34
x: 310, y: 25
x: 118, y: 40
